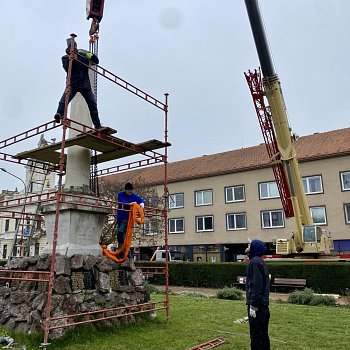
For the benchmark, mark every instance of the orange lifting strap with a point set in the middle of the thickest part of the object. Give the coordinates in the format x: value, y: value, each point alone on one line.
x: 137, y: 215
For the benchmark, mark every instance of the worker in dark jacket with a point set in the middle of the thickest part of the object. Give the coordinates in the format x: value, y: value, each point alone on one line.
x: 80, y: 82
x: 257, y: 293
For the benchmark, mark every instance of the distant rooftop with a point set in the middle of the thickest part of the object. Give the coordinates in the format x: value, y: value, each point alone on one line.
x: 323, y: 145
x: 5, y: 193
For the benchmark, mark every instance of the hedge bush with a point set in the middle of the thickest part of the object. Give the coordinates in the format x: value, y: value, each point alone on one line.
x: 230, y: 294
x: 151, y: 288
x: 322, y: 277
x: 308, y: 297
x: 301, y: 297
x: 326, y: 300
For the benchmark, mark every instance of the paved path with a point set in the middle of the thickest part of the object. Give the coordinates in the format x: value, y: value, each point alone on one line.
x: 212, y: 292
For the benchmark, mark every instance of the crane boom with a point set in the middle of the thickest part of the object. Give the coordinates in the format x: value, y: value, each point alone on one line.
x: 306, y: 237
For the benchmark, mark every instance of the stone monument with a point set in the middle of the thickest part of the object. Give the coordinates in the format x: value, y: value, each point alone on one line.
x: 79, y: 226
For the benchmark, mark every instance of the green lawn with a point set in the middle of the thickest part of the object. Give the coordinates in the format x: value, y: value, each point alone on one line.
x: 196, y: 320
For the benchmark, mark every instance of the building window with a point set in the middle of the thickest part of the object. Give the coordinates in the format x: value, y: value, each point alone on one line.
x: 234, y: 194
x: 347, y: 213
x: 272, y: 219
x: 345, y: 180
x: 38, y: 222
x: 236, y: 221
x: 204, y: 223
x: 318, y: 215
x: 4, y: 251
x: 176, y: 201
x: 36, y: 248
x: 313, y: 184
x: 268, y: 190
x: 7, y: 225
x: 150, y: 228
x: 176, y: 225
x: 204, y: 197
x: 152, y: 202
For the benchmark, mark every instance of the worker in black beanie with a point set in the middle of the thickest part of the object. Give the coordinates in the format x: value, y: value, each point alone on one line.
x: 125, y: 198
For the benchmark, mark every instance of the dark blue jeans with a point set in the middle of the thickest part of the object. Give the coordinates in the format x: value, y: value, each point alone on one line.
x: 121, y: 232
x: 259, y: 329
x: 88, y: 97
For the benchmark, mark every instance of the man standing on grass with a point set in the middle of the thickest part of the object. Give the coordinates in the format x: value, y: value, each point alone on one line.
x: 257, y: 294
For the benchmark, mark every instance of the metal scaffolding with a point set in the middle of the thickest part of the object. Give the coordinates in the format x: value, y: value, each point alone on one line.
x: 53, y: 158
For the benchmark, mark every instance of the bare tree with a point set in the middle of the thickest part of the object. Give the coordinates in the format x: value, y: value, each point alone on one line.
x: 151, y: 232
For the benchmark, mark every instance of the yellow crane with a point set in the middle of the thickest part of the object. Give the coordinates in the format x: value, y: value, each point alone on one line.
x: 306, y: 237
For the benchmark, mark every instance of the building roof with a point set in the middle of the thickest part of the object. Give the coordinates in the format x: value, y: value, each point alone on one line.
x: 323, y: 145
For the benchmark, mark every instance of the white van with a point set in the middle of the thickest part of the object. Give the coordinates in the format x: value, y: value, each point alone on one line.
x: 175, y: 255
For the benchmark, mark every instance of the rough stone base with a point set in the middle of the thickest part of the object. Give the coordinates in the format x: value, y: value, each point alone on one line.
x: 82, y: 283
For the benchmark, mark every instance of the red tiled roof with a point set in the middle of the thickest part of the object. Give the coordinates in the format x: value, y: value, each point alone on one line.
x: 312, y: 147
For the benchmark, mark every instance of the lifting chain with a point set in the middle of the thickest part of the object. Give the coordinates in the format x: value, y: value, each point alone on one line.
x: 94, y: 185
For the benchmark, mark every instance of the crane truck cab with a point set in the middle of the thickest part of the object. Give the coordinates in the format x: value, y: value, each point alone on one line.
x: 314, y: 238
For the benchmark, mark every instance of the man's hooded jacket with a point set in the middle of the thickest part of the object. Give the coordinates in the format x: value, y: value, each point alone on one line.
x: 80, y: 71
x: 257, y: 281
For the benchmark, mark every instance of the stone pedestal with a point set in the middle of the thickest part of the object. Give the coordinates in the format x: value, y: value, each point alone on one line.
x: 78, y: 158
x: 79, y: 228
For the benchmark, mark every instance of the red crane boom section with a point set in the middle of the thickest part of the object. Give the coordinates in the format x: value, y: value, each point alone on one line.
x: 254, y: 81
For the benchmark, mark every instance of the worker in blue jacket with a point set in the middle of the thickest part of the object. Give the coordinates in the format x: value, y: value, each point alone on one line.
x: 80, y: 82
x: 124, y: 198
x: 257, y: 294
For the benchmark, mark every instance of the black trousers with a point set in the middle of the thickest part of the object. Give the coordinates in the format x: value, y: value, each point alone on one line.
x: 88, y: 97
x: 259, y: 329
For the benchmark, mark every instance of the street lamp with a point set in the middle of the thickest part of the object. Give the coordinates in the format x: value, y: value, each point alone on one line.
x: 5, y: 171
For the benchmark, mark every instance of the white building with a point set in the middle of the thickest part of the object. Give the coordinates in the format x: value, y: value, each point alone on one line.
x: 22, y: 225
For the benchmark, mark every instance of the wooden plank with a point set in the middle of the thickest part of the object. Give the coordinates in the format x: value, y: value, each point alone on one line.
x: 125, y: 152
x: 110, y: 147
x: 49, y: 156
x: 79, y: 140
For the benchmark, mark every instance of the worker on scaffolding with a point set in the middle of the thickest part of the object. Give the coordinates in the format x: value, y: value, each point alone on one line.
x: 80, y: 81
x: 125, y: 198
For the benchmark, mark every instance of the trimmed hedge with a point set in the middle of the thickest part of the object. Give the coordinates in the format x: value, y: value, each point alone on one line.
x: 322, y: 277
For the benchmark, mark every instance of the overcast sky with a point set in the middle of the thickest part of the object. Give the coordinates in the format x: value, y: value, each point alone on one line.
x: 195, y: 50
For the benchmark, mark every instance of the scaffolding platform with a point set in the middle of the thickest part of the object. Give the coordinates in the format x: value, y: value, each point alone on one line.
x: 101, y: 140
